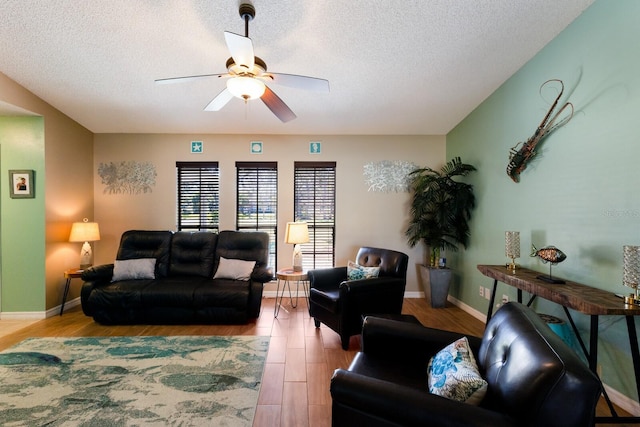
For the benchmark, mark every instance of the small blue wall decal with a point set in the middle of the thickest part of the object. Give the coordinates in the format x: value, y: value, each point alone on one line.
x: 196, y: 147
x: 256, y: 147
x: 315, y: 147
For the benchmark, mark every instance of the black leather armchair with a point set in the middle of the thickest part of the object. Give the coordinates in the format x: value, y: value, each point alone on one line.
x: 534, y: 378
x: 340, y: 304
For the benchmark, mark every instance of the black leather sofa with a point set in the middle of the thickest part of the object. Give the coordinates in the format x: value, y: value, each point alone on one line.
x: 183, y: 288
x: 534, y: 378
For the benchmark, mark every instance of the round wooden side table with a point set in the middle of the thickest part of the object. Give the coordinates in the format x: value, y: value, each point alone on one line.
x: 286, y: 276
x: 72, y: 273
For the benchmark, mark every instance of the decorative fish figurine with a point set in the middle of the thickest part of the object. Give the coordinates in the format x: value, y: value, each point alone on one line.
x: 548, y: 254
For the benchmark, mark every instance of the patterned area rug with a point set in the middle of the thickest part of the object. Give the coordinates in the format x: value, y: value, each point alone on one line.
x: 125, y: 381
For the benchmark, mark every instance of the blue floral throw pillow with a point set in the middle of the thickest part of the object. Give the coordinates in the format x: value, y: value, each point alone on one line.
x: 453, y: 373
x: 356, y: 272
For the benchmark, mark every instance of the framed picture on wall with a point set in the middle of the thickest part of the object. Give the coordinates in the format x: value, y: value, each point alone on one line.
x: 21, y: 184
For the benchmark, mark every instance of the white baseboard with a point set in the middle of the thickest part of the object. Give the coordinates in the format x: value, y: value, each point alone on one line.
x: 38, y: 315
x: 23, y: 315
x: 468, y: 309
x: 269, y: 294
x: 414, y: 294
x: 272, y: 294
x: 55, y: 311
x: 624, y: 402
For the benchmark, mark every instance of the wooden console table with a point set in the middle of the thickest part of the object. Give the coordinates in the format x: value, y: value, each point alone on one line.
x: 584, y: 299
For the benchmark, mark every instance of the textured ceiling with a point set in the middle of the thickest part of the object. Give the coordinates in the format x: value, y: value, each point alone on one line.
x: 394, y: 66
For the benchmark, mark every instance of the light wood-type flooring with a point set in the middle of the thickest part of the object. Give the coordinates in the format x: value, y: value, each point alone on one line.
x: 300, y: 361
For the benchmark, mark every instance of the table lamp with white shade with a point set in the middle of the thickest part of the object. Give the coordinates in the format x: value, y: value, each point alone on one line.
x: 86, y: 232
x: 297, y: 233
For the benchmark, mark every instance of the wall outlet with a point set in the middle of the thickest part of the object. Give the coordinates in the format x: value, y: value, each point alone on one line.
x: 481, y: 291
x: 487, y: 293
x: 505, y: 299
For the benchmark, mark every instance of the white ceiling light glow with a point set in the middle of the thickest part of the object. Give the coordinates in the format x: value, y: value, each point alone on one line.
x: 245, y: 87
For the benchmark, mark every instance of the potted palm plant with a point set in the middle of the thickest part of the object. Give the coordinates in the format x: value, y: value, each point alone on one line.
x: 440, y: 212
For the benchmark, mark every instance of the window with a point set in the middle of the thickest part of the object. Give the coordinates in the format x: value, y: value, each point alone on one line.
x: 198, y: 196
x: 257, y: 201
x: 314, y: 202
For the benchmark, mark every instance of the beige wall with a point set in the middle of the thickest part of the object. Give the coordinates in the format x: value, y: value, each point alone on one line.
x: 69, y: 198
x: 70, y: 180
x: 363, y: 218
x: 67, y: 188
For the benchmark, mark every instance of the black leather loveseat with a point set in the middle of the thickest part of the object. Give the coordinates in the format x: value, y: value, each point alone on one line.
x: 165, y: 277
x: 533, y: 378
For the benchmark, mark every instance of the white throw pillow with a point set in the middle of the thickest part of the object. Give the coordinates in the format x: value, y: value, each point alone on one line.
x: 453, y: 373
x: 235, y: 269
x: 129, y: 269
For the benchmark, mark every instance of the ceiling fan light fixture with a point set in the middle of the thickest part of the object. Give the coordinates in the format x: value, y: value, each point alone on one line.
x: 245, y: 87
x: 246, y: 73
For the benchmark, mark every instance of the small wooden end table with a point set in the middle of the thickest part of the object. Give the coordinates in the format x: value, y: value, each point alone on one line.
x: 287, y: 276
x: 72, y: 273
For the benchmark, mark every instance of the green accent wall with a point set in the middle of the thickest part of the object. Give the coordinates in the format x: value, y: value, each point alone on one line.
x: 22, y: 221
x: 581, y: 193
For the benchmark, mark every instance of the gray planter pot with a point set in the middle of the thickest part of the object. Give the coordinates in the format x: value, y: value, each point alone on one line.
x: 435, y: 282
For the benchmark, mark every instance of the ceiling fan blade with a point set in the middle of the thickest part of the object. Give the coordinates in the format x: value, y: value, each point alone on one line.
x: 277, y: 105
x: 187, y: 78
x: 219, y: 101
x: 300, y: 82
x: 241, y: 49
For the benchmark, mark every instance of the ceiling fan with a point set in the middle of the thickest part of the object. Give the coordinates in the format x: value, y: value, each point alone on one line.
x: 247, y: 75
